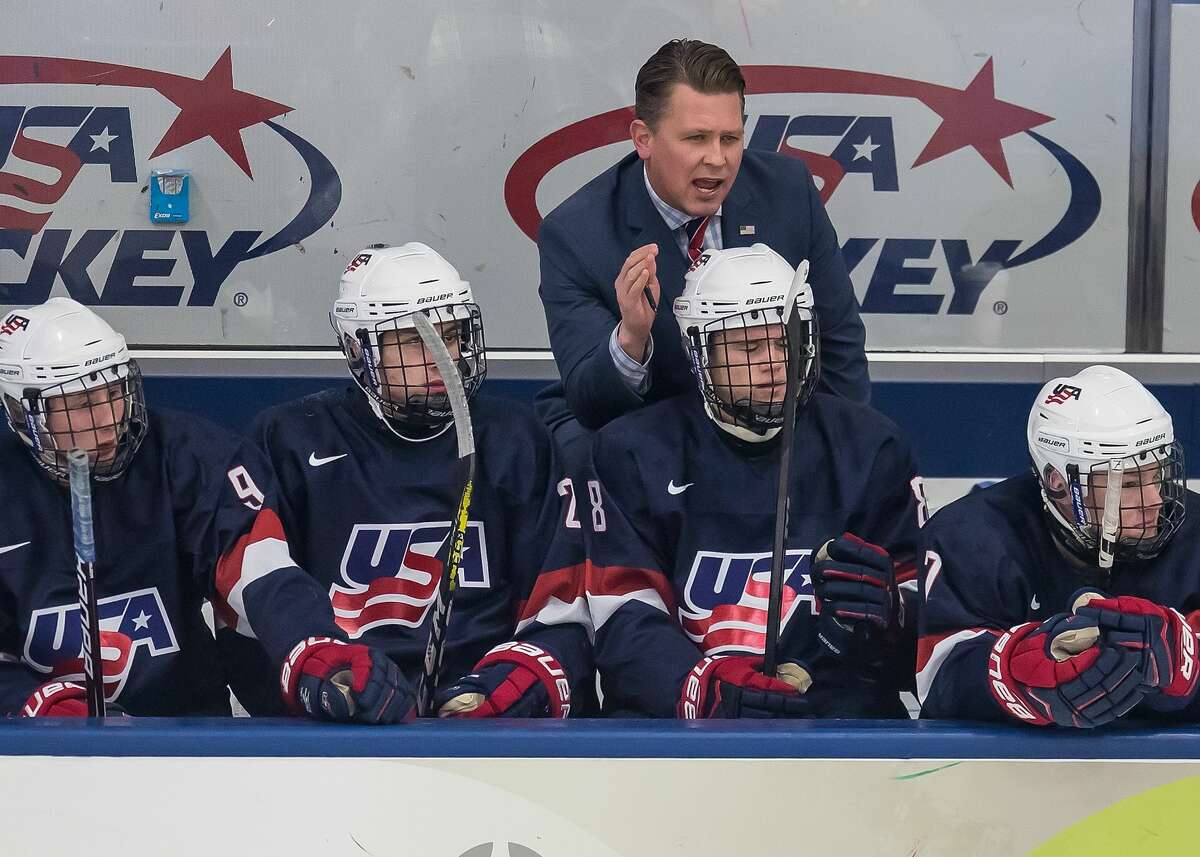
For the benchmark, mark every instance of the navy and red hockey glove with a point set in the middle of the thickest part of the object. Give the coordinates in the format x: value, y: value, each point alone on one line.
x: 1061, y: 671
x: 332, y: 680
x: 855, y: 587
x: 63, y: 699
x: 735, y: 687
x: 514, y: 679
x: 1161, y: 635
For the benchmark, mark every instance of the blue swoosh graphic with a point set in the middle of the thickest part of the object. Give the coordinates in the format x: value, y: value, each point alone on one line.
x: 1082, y: 209
x: 324, y: 197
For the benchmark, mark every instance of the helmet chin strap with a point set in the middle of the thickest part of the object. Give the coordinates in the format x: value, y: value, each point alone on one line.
x: 392, y: 425
x: 740, y: 432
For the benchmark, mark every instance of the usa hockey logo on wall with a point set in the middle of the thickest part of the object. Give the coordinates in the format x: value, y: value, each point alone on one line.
x: 390, y: 573
x: 724, y: 605
x: 889, y: 147
x: 130, y: 623
x: 73, y: 134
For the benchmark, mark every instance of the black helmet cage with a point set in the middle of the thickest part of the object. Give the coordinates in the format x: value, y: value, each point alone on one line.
x: 406, y: 397
x: 112, y: 400
x: 1134, y: 542
x: 714, y: 340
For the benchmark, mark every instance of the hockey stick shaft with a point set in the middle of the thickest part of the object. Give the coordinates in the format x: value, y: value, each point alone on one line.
x: 85, y: 569
x: 435, y: 647
x: 778, y: 548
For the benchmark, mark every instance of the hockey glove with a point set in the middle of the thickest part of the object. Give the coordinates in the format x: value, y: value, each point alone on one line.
x: 1061, y: 672
x: 855, y: 586
x: 332, y: 680
x: 512, y: 680
x: 1161, y: 635
x: 734, y: 687
x: 64, y: 699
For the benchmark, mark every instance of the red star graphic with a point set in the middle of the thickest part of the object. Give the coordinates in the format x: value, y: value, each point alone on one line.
x: 975, y: 118
x: 213, y: 108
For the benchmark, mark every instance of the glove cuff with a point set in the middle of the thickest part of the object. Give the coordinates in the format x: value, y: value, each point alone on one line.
x: 289, y: 674
x: 1006, y: 690
x: 55, y: 693
x: 694, y: 697
x: 541, y: 664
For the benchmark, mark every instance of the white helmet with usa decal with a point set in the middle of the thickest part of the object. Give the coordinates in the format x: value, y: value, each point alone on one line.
x: 731, y: 316
x: 379, y: 292
x: 1111, y: 472
x: 68, y: 382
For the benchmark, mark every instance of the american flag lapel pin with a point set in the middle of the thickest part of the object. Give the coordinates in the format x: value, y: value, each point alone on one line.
x: 746, y: 230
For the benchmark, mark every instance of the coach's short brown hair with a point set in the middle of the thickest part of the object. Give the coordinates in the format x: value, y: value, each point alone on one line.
x: 705, y: 68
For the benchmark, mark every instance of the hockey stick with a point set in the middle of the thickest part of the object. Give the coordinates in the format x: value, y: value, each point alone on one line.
x: 1110, y: 524
x: 448, y: 585
x: 85, y: 569
x: 786, y: 435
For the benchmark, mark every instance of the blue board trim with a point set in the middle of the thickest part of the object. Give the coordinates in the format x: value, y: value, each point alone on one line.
x: 587, y: 739
x: 958, y: 429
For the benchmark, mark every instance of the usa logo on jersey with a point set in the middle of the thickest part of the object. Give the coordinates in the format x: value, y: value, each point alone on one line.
x: 724, y: 607
x: 390, y: 573
x: 129, y: 623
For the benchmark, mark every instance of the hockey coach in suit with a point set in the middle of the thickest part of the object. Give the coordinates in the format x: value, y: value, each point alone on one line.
x: 618, y: 248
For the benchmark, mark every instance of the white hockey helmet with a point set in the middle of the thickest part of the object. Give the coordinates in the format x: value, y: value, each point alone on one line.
x: 740, y: 289
x: 1111, y: 471
x: 68, y: 382
x: 378, y: 294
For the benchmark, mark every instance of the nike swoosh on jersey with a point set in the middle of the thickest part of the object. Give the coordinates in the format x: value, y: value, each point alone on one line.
x: 317, y: 462
x: 1034, y: 605
x: 8, y: 548
x: 672, y: 488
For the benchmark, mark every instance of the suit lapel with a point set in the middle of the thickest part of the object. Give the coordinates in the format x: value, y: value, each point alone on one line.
x: 645, y: 226
x: 741, y: 223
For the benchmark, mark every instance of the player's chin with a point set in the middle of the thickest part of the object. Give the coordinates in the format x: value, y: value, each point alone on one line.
x: 106, y: 455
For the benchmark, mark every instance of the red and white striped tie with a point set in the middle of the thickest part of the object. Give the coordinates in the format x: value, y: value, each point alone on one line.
x: 695, y: 229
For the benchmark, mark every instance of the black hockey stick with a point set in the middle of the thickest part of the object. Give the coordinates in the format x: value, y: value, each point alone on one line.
x: 786, y: 434
x: 85, y: 569
x: 448, y: 585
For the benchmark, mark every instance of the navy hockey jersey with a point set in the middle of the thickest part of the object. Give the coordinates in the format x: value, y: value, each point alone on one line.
x: 367, y: 514
x: 185, y: 514
x: 680, y: 522
x: 991, y: 563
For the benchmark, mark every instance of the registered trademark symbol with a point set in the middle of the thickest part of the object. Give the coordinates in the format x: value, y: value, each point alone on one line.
x: 1000, y: 307
x: 241, y: 299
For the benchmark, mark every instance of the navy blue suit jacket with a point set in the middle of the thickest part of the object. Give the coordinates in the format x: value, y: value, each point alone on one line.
x: 584, y: 242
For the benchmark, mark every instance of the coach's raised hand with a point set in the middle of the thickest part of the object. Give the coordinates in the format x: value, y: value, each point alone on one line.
x: 638, y: 276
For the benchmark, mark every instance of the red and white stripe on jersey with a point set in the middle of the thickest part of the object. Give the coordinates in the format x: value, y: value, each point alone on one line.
x: 400, y: 600
x: 255, y: 555
x: 742, y: 627
x: 906, y: 574
x: 587, y: 594
x: 933, y: 650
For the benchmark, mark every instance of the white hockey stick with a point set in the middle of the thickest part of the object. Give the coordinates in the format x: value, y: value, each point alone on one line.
x: 448, y: 585
x: 1110, y: 526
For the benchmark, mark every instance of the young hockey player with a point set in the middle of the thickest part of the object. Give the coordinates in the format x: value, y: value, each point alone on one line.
x: 179, y: 516
x: 369, y: 485
x: 682, y: 521
x: 1069, y: 595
